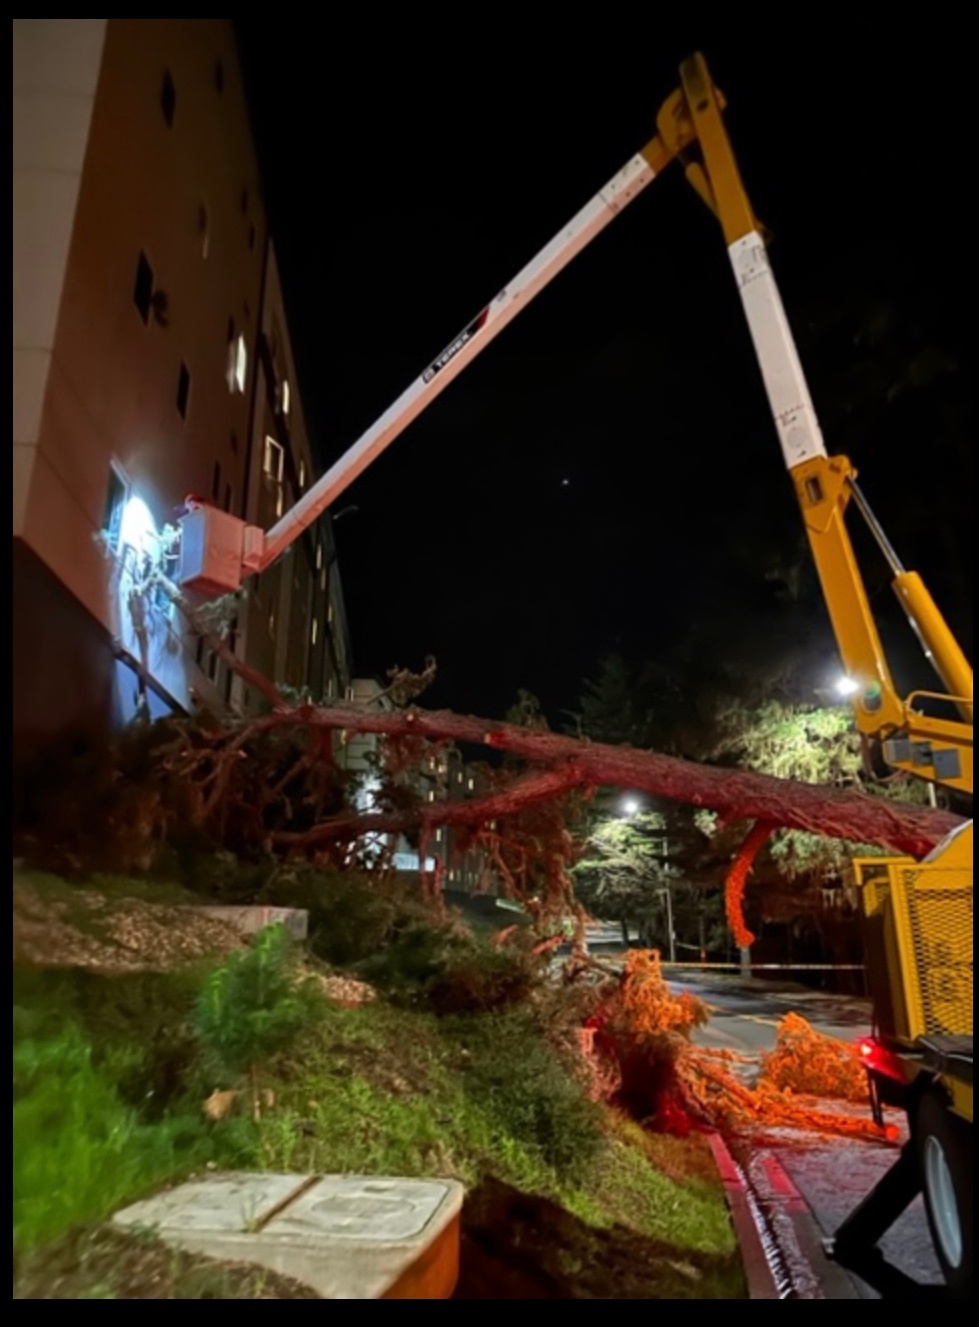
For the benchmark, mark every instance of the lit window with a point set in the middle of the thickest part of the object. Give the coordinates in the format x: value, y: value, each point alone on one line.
x: 237, y: 369
x: 302, y: 473
x: 458, y: 778
x: 272, y: 459
x: 241, y: 362
x: 314, y: 631
x: 471, y: 785
x: 285, y: 396
x: 319, y: 556
x: 438, y: 836
x: 431, y: 795
x: 329, y: 614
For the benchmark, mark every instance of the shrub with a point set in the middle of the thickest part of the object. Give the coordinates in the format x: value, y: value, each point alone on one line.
x: 255, y: 1004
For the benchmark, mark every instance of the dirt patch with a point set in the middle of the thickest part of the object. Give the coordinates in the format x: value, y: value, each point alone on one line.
x: 518, y: 1246
x: 104, y: 1263
x: 81, y: 928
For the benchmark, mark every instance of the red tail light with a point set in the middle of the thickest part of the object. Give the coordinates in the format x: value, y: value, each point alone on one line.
x: 878, y: 1058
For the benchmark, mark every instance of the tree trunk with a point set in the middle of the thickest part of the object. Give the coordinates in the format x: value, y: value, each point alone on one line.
x: 566, y: 763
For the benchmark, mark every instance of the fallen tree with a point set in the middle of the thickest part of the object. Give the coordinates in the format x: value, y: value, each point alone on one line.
x: 566, y: 763
x: 519, y: 822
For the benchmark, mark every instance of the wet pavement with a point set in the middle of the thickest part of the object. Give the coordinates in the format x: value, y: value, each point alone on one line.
x: 803, y: 1185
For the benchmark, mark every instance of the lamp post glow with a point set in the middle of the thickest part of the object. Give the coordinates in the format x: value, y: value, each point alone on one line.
x: 846, y: 686
x: 630, y: 807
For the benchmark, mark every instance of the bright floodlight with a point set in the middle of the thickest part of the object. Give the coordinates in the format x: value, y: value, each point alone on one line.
x: 630, y: 806
x: 846, y: 686
x: 137, y: 528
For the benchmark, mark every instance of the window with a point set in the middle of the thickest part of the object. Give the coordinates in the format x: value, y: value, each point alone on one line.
x: 471, y: 784
x: 237, y: 373
x: 183, y: 390
x: 216, y: 481
x: 143, y: 290
x: 302, y: 473
x: 313, y: 632
x: 431, y: 795
x: 284, y: 397
x: 236, y: 370
x: 323, y: 584
x: 115, y: 501
x: 273, y: 461
x: 271, y: 621
x: 168, y: 98
x: 319, y: 556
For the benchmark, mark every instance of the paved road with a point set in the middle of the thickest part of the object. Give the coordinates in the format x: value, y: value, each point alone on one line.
x: 832, y: 1176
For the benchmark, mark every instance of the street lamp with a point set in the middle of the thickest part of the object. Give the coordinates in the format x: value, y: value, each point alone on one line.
x: 845, y: 686
x: 630, y: 806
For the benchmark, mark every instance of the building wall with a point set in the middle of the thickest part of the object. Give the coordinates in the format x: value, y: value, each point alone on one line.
x: 140, y: 262
x: 293, y: 621
x: 55, y: 74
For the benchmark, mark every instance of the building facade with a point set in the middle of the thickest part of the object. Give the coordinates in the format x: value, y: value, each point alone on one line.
x: 152, y: 361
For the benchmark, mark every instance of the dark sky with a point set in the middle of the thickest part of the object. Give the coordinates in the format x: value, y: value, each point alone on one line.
x: 605, y: 474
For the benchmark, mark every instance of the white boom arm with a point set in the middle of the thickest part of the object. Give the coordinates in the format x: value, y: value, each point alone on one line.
x: 593, y: 218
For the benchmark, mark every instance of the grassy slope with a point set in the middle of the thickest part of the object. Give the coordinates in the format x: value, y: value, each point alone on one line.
x: 109, y: 1083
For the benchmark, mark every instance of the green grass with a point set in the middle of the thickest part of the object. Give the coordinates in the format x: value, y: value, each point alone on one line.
x: 79, y: 1149
x: 388, y: 1090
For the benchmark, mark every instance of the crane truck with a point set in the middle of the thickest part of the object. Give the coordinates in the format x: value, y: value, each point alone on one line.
x: 917, y: 914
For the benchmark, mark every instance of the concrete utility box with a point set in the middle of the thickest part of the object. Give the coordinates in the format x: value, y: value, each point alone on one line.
x: 346, y: 1236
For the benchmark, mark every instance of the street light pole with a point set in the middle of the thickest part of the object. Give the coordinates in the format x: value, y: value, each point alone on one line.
x: 671, y: 938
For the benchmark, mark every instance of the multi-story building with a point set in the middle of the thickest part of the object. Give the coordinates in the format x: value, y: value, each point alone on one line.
x: 152, y: 361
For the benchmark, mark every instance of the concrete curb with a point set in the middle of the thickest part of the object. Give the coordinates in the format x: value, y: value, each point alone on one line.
x: 757, y: 1268
x: 790, y: 1214
x: 813, y: 1275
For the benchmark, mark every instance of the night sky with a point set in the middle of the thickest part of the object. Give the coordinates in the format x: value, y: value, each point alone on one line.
x: 605, y: 475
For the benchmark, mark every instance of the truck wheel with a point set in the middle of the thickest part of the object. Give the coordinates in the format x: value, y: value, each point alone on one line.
x: 944, y: 1147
